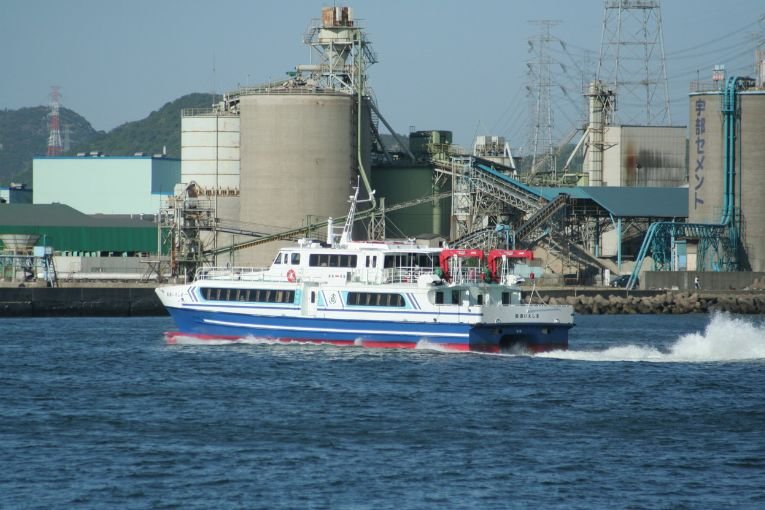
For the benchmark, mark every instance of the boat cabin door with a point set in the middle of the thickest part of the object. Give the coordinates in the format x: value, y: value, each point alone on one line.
x: 310, y: 299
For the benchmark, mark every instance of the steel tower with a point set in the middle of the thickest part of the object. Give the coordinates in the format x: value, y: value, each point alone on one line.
x: 55, y: 145
x: 539, y: 85
x: 632, y: 61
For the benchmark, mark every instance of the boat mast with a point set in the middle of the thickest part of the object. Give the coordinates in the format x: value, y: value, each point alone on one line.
x: 346, y: 236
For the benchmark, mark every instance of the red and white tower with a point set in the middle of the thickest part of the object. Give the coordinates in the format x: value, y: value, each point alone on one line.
x: 55, y: 146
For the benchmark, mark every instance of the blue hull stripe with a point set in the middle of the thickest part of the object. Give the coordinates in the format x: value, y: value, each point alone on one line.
x: 349, y: 330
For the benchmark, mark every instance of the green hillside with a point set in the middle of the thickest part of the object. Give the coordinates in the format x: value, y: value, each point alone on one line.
x: 24, y: 135
x: 161, y: 129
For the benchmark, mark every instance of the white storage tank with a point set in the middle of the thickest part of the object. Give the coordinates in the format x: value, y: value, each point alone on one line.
x: 210, y: 149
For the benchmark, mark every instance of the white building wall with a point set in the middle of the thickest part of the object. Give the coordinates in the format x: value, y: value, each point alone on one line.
x: 100, y: 185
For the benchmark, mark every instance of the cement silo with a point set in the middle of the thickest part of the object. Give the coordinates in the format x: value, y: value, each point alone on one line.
x: 707, y: 164
x: 752, y: 172
x: 210, y: 148
x: 299, y: 155
x: 305, y: 141
x: 210, y: 158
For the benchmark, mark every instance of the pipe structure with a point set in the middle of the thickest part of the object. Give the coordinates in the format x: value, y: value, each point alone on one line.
x: 359, y: 107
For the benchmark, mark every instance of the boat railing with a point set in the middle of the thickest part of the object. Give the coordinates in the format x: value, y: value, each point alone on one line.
x: 234, y: 273
x: 467, y: 275
x: 405, y: 274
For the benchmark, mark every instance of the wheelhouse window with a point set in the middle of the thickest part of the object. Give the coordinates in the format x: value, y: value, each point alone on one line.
x: 409, y: 260
x: 375, y: 299
x: 295, y: 259
x: 331, y: 260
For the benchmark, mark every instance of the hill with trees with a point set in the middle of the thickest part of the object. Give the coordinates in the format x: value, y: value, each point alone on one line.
x: 24, y: 135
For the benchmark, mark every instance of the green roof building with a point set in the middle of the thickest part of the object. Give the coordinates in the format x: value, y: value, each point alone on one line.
x: 67, y: 230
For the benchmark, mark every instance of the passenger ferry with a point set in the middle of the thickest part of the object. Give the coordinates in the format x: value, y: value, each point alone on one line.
x: 372, y: 294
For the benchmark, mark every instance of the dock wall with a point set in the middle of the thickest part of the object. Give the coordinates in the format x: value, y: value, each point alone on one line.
x: 80, y: 301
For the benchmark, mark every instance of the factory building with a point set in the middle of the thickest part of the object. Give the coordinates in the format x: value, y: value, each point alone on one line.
x: 15, y: 194
x: 85, y: 247
x: 623, y: 155
x: 97, y: 184
x: 645, y: 156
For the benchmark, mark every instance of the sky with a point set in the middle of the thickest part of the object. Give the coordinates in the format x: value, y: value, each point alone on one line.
x: 442, y: 64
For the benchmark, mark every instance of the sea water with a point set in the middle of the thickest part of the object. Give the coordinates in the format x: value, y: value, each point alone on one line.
x: 643, y: 411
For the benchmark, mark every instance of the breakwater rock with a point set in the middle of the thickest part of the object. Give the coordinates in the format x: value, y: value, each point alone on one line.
x: 659, y: 302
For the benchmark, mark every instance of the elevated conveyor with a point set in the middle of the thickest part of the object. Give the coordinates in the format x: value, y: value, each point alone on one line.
x: 541, y: 217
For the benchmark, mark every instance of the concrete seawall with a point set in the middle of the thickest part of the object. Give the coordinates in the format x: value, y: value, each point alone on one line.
x: 80, y: 301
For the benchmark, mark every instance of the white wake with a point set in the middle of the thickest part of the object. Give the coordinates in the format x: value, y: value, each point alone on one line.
x: 725, y: 338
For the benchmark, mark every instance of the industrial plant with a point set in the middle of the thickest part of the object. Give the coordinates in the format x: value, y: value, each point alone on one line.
x: 272, y: 163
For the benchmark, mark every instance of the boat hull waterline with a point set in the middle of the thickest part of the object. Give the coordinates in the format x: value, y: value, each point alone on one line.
x: 211, y: 326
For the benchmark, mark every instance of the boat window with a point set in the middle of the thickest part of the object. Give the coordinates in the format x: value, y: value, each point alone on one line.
x: 278, y: 259
x: 480, y: 299
x: 249, y: 295
x: 313, y: 296
x: 455, y: 297
x: 505, y: 298
x: 439, y: 298
x: 375, y: 299
x: 425, y: 260
x: 295, y: 259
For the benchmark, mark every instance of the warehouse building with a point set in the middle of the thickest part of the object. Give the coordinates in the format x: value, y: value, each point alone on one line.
x: 97, y: 184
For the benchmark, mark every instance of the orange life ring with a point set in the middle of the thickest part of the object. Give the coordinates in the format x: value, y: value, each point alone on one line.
x: 291, y: 277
